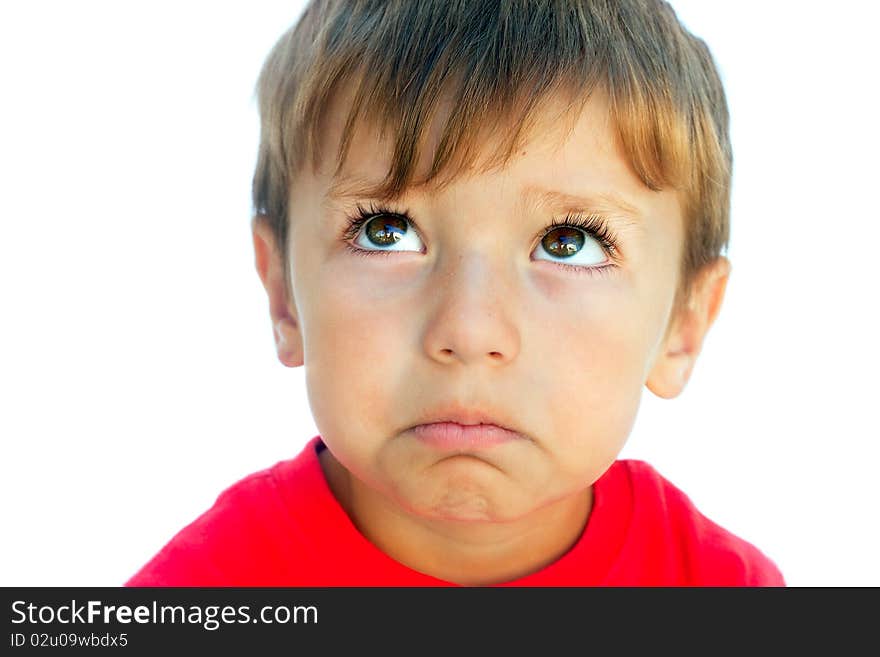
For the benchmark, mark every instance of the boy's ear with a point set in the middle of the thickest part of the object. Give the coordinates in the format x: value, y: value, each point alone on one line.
x: 285, y: 322
x: 684, y: 340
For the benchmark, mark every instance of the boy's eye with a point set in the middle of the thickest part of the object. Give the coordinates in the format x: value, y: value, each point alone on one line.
x: 571, y: 245
x: 580, y: 243
x: 384, y: 231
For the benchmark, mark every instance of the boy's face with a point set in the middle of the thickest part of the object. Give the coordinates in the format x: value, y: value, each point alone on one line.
x: 472, y: 311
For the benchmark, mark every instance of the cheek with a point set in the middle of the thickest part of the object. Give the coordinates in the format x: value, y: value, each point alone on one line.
x: 593, y: 342
x: 355, y: 340
x: 594, y: 335
x: 355, y: 321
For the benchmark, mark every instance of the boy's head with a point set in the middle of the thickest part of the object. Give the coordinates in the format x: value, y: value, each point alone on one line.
x: 546, y: 193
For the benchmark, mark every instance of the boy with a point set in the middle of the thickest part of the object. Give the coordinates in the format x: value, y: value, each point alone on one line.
x: 482, y: 226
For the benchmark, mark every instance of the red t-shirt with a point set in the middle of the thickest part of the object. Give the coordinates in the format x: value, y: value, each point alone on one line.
x: 283, y: 527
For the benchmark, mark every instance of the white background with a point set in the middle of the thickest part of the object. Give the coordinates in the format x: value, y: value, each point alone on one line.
x: 137, y: 366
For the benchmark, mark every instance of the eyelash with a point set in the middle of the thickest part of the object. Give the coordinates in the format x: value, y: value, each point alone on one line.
x: 592, y: 224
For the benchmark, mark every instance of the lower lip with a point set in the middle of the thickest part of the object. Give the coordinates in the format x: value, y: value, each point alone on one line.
x: 449, y: 435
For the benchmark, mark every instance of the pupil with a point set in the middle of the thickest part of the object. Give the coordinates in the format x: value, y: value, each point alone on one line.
x: 563, y: 242
x: 385, y: 230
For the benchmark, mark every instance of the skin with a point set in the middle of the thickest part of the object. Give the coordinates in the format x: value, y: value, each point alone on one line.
x: 474, y: 312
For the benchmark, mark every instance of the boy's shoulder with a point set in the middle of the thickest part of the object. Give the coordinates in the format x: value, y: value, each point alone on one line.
x: 247, y: 537
x: 669, y: 538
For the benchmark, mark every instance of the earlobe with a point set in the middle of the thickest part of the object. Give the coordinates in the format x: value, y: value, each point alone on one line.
x: 288, y: 342
x: 670, y: 374
x: 678, y: 353
x: 282, y: 310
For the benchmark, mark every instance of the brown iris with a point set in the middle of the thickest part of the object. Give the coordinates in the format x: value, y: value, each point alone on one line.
x: 385, y: 229
x: 563, y: 242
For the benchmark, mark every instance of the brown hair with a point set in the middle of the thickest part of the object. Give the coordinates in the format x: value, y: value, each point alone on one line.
x: 497, y: 60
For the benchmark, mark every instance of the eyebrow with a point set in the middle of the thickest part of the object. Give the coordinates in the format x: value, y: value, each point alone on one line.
x: 567, y: 202
x: 349, y: 187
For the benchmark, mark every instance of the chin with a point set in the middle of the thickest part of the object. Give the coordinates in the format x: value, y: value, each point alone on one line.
x: 464, y: 506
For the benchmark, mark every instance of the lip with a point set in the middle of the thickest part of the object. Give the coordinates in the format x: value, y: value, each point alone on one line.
x: 464, y: 416
x: 457, y: 427
x: 455, y: 436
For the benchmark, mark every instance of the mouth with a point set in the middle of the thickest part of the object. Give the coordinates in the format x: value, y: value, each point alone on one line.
x: 454, y: 436
x: 460, y: 428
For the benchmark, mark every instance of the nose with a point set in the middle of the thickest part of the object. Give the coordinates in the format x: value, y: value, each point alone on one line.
x: 473, y: 313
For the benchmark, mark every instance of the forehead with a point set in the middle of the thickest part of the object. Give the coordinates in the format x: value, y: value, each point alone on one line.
x: 568, y: 153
